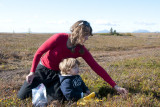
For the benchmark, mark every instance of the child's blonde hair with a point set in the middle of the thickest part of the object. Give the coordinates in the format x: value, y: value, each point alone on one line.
x: 78, y: 30
x: 67, y: 64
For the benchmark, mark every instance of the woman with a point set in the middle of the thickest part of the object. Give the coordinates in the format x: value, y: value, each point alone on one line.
x: 57, y: 48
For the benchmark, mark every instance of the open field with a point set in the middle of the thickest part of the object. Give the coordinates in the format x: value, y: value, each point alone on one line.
x: 132, y: 61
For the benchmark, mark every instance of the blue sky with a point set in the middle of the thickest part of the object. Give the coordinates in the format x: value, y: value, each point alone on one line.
x: 59, y: 15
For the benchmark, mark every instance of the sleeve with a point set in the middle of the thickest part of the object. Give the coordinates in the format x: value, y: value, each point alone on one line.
x: 47, y: 45
x: 68, y: 91
x: 97, y: 68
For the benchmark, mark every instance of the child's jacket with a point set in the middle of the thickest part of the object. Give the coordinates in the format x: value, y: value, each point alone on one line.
x: 72, y: 87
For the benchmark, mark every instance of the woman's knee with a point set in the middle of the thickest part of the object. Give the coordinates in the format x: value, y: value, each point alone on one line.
x: 25, y: 91
x: 23, y: 95
x: 20, y: 96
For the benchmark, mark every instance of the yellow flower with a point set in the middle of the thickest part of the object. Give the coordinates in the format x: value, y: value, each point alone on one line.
x: 87, y: 99
x: 14, y: 91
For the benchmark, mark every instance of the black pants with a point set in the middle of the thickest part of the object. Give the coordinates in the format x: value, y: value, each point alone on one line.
x: 49, y: 78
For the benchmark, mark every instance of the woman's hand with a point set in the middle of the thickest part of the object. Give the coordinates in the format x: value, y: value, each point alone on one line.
x: 29, y: 77
x: 120, y: 90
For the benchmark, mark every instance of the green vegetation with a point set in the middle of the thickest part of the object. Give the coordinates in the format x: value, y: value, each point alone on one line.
x: 139, y: 75
x: 132, y: 61
x: 115, y: 33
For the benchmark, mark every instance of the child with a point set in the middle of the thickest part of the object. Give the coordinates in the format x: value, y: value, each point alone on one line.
x: 72, y: 85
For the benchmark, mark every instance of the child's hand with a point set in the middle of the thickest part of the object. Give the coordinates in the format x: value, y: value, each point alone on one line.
x: 88, y: 92
x: 85, y: 94
x: 121, y: 90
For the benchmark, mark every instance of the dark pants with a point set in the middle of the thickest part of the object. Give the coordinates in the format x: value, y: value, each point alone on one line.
x: 49, y: 78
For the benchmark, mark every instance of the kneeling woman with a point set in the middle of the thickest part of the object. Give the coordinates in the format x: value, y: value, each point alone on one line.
x: 45, y: 65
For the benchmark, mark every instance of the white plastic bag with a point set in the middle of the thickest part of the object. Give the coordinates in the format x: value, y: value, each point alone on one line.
x: 39, y: 98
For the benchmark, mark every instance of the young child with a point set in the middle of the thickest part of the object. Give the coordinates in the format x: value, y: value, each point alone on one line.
x: 72, y: 85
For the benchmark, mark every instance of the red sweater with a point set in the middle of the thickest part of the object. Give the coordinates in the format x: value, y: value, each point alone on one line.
x: 55, y: 49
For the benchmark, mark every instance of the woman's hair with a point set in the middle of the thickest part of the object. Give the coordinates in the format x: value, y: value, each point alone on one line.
x: 78, y: 30
x: 67, y: 64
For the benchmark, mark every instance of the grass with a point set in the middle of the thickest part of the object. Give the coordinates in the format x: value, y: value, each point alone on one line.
x: 139, y: 75
x: 118, y: 43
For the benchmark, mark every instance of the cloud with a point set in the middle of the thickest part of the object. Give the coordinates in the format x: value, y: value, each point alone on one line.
x: 6, y: 20
x: 145, y: 23
x: 57, y: 22
x: 111, y: 24
x: 104, y: 22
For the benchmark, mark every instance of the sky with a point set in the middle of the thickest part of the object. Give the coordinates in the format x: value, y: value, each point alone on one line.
x: 48, y: 16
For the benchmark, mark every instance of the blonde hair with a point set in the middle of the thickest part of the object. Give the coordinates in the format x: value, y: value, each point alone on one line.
x: 78, y: 30
x: 67, y: 64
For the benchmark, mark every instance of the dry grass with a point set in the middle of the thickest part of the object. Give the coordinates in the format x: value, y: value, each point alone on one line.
x: 132, y: 61
x: 118, y: 43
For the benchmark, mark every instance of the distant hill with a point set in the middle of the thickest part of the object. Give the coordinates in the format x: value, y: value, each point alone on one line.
x: 102, y: 31
x: 141, y: 31
x: 136, y: 31
x: 157, y: 31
